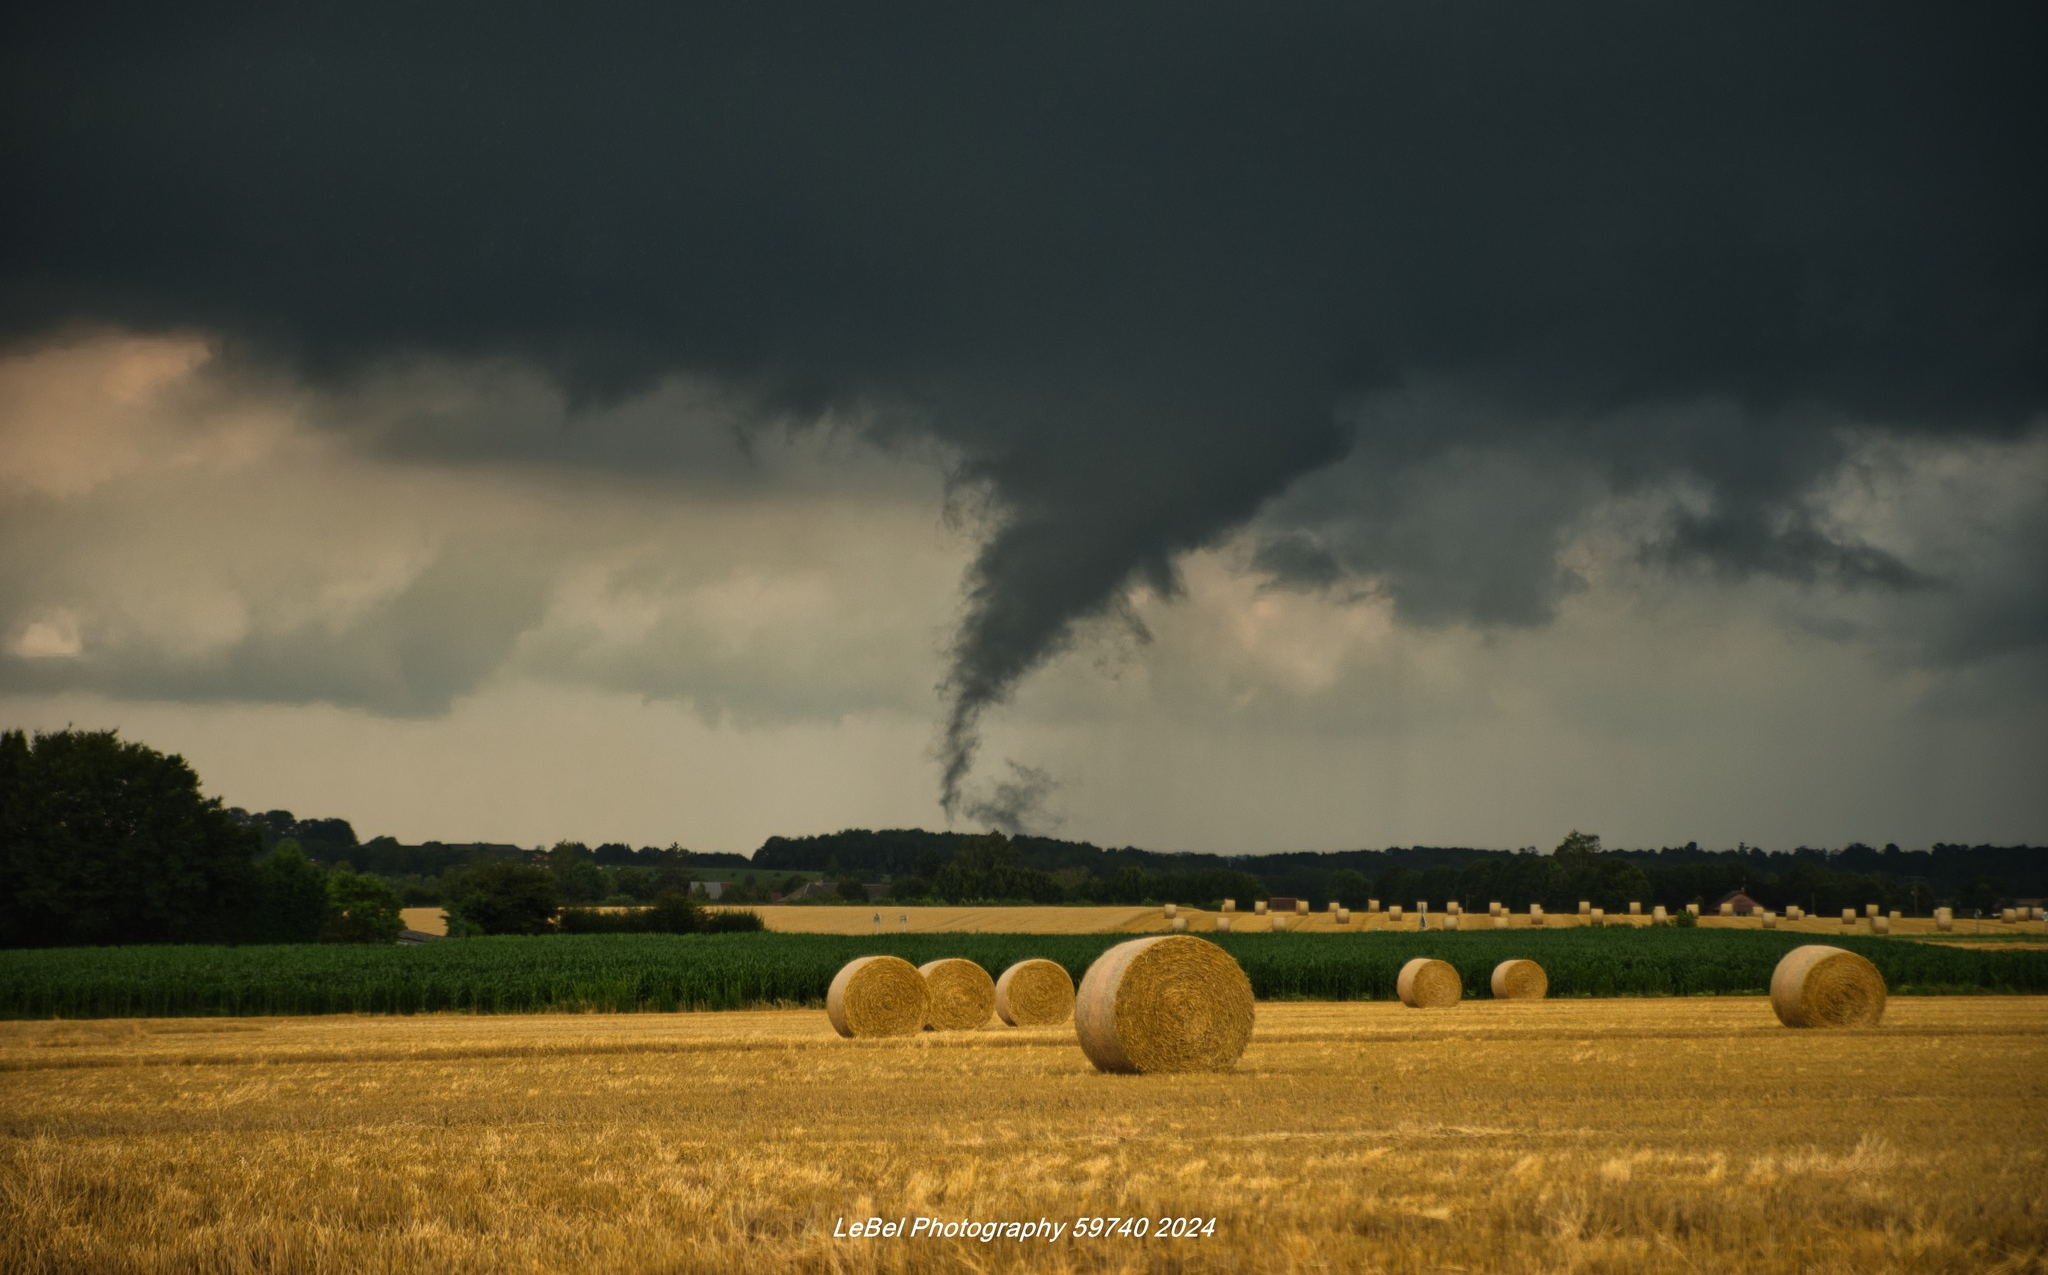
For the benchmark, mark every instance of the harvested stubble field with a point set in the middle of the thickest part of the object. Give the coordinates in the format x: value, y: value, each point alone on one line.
x: 664, y: 972
x: 1553, y: 1136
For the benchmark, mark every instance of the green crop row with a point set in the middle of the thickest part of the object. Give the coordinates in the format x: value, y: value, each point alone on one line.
x: 638, y: 972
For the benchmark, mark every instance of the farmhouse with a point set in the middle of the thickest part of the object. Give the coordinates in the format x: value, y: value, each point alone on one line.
x: 1744, y: 905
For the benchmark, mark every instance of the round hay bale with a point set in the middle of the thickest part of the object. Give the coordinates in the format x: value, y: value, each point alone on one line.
x: 1870, y: 909
x: 1657, y: 914
x: 1301, y: 907
x: 1035, y: 993
x: 1259, y: 908
x: 1493, y: 909
x: 1372, y: 905
x: 1945, y: 923
x: 1635, y: 909
x: 1821, y: 986
x: 2005, y: 916
x: 1172, y: 910
x: 1727, y: 909
x: 1597, y: 916
x: 1168, y: 1003
x: 1848, y: 916
x: 1770, y: 921
x: 1230, y: 905
x: 1693, y: 908
x: 1334, y: 907
x: 963, y: 995
x: 1394, y: 913
x: 1880, y: 925
x: 1535, y: 914
x: 1500, y: 921
x: 1452, y: 907
x: 1278, y: 925
x: 1427, y: 983
x: 1451, y: 920
x: 878, y: 996
x: 1897, y: 915
x: 1343, y: 916
x: 1179, y: 925
x: 1585, y: 907
x: 1223, y: 925
x: 1520, y: 980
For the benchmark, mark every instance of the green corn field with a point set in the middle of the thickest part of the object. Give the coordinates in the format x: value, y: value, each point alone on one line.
x: 660, y: 972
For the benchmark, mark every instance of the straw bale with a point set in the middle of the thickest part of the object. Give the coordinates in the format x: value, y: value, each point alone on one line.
x: 1500, y: 921
x: 2005, y: 915
x: 1493, y: 909
x: 1179, y: 925
x: 1897, y: 915
x: 1259, y: 907
x: 1035, y: 993
x: 1770, y: 921
x: 1230, y: 905
x: 1821, y: 986
x: 963, y: 995
x: 1635, y: 909
x: 1848, y: 916
x: 1535, y: 914
x: 1168, y: 1003
x: 1598, y: 916
x: 1727, y: 909
x: 1343, y: 916
x: 1657, y: 913
x: 1223, y: 924
x: 878, y: 996
x: 1880, y: 925
x: 1451, y: 920
x: 1301, y: 907
x: 1394, y: 913
x: 1372, y: 905
x: 1452, y: 907
x: 1944, y: 923
x: 1693, y: 908
x: 1585, y: 907
x: 1520, y: 980
x: 1172, y: 910
x: 1870, y: 909
x: 1427, y: 983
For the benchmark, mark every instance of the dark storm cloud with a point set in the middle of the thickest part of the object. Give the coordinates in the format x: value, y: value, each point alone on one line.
x: 1127, y: 263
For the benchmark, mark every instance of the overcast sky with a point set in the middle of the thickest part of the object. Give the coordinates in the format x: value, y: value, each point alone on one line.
x: 1202, y: 427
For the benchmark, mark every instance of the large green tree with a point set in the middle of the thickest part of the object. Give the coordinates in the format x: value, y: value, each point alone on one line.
x: 291, y: 897
x: 105, y: 841
x: 360, y: 909
x: 505, y: 896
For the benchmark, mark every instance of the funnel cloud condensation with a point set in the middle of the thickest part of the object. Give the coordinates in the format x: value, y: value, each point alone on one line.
x: 1135, y: 268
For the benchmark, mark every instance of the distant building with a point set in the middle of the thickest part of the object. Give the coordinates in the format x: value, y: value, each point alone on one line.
x: 1282, y: 903
x: 1744, y: 905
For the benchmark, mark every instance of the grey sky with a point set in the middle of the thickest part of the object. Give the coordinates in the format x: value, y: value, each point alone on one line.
x: 1205, y: 426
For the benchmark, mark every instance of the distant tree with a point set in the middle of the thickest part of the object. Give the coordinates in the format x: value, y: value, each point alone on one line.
x: 578, y: 879
x: 103, y: 841
x: 360, y: 909
x: 1349, y: 888
x: 1577, y: 845
x: 505, y: 896
x: 852, y: 890
x: 291, y: 897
